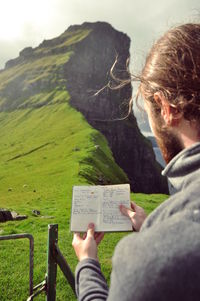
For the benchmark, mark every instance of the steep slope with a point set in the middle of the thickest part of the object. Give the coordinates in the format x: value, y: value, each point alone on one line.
x: 33, y: 93
x: 88, y: 71
x: 44, y: 152
x: 78, y: 63
x: 54, y: 142
x: 46, y: 147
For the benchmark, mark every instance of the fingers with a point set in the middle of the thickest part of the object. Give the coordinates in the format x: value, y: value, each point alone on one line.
x: 84, y: 235
x: 123, y: 209
x: 98, y: 238
x: 76, y: 238
x: 133, y: 206
x: 90, y: 231
x: 127, y: 211
x: 77, y: 235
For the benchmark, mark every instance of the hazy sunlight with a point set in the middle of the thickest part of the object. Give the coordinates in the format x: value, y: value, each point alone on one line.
x: 17, y: 16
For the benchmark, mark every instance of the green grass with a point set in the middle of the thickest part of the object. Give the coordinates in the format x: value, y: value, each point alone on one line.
x: 67, y: 39
x: 46, y: 147
x: 34, y: 69
x: 49, y: 149
x: 40, y: 72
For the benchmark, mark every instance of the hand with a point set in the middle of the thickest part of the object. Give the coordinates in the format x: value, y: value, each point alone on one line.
x: 86, y: 246
x: 136, y: 214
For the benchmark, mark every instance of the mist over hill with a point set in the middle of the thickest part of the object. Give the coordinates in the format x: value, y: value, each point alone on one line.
x: 66, y: 72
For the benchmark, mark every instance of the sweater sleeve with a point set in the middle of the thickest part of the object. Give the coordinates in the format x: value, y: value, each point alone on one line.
x: 90, y: 282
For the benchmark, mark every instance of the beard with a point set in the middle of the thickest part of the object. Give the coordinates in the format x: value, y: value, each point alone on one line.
x: 169, y: 143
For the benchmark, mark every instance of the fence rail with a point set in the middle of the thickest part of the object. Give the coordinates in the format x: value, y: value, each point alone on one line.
x: 54, y: 258
x: 31, y: 250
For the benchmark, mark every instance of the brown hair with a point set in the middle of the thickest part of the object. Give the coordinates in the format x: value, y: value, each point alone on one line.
x: 173, y: 68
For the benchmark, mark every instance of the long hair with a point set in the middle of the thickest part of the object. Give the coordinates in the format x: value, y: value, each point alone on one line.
x: 173, y: 68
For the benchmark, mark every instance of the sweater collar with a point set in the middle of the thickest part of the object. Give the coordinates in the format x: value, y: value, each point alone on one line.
x: 183, y: 167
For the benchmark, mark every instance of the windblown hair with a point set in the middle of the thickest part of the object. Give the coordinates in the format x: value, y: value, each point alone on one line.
x: 172, y: 67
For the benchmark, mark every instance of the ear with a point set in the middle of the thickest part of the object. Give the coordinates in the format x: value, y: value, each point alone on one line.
x: 170, y: 114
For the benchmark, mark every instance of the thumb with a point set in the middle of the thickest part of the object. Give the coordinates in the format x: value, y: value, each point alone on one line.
x: 90, y: 231
x: 134, y: 206
x: 127, y: 211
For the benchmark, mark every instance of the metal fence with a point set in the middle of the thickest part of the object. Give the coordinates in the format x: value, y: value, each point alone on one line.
x: 54, y: 258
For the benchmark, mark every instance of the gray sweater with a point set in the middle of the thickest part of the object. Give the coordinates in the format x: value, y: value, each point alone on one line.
x: 162, y: 261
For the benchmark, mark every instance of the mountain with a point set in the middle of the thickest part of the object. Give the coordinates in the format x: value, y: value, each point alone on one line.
x: 53, y: 125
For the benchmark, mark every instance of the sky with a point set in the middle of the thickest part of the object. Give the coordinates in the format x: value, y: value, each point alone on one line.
x: 25, y: 23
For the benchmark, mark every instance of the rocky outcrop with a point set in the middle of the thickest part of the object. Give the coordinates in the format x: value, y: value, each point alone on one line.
x: 7, y: 215
x: 79, y: 61
x: 86, y: 73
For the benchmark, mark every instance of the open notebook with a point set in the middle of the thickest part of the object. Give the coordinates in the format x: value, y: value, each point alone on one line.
x: 100, y: 205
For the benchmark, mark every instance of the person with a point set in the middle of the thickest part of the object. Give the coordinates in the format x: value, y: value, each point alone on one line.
x: 162, y: 260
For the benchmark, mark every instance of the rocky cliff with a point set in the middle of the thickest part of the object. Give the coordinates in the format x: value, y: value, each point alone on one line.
x: 87, y: 72
x: 79, y: 62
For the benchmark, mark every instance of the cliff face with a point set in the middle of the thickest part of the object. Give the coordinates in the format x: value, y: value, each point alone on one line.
x: 88, y: 71
x: 77, y: 63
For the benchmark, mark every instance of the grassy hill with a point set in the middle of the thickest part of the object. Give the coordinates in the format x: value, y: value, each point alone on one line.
x: 46, y: 147
x: 44, y: 152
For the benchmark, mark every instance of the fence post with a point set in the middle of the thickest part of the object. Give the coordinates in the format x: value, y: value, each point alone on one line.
x: 51, y: 262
